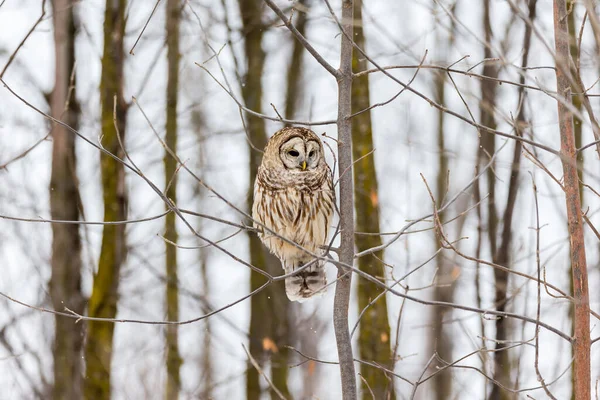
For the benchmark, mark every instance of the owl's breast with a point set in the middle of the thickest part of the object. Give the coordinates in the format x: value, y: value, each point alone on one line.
x: 300, y: 213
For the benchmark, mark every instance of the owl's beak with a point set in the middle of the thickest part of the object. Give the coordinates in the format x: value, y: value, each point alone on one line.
x: 303, y: 165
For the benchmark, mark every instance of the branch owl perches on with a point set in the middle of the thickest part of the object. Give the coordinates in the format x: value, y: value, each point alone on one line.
x: 294, y: 197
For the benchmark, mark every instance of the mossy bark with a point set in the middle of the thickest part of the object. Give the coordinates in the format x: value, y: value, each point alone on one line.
x: 172, y: 291
x: 65, y: 282
x: 269, y: 326
x: 374, y: 331
x: 103, y: 302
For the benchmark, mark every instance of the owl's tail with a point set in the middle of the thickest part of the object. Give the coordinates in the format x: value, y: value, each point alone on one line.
x: 310, y: 282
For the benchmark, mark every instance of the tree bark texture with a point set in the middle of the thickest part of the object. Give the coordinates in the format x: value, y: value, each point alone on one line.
x: 577, y: 99
x: 577, y: 130
x: 346, y: 254
x: 172, y: 292
x: 374, y: 331
x: 103, y: 302
x: 269, y: 326
x: 65, y: 283
x: 581, y: 337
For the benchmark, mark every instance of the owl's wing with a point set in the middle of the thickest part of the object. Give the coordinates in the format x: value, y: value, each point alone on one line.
x: 329, y: 202
x: 266, y: 210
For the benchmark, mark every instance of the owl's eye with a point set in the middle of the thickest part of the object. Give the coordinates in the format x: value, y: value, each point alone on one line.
x: 312, y: 153
x: 293, y: 153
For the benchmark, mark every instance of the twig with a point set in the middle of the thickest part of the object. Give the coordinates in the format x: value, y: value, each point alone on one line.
x: 144, y: 28
x: 425, y: 368
x: 14, y: 53
x: 539, y: 301
x: 432, y: 102
x: 288, y: 23
x: 261, y: 373
x: 367, y: 385
x: 260, y: 115
x: 70, y: 222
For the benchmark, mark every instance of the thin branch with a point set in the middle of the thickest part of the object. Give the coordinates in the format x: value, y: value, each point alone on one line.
x: 144, y: 28
x: 539, y: 301
x: 262, y: 373
x: 288, y: 23
x: 14, y: 53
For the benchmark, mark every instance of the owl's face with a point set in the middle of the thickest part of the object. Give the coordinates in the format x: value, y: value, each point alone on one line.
x: 300, y: 154
x: 293, y: 156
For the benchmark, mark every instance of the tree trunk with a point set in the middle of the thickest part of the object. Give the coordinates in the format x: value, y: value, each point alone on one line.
x: 172, y: 292
x: 581, y: 338
x: 488, y: 148
x: 441, y: 335
x: 577, y: 99
x: 374, y: 334
x: 294, y: 76
x: 103, y: 302
x: 502, y: 255
x: 346, y: 252
x: 577, y: 127
x: 65, y: 283
x: 269, y: 325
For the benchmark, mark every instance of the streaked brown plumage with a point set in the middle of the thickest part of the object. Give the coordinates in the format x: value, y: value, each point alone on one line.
x: 294, y: 197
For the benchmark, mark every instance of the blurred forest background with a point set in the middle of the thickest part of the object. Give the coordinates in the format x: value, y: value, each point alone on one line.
x: 130, y: 136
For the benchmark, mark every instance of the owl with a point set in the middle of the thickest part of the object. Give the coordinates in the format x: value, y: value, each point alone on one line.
x: 294, y: 197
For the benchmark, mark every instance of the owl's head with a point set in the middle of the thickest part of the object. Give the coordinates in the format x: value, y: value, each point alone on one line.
x: 298, y: 149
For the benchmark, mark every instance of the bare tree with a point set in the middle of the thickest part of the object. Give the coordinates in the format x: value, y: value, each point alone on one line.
x: 105, y: 292
x: 581, y: 338
x: 346, y: 254
x: 172, y: 291
x: 65, y: 283
x: 374, y: 335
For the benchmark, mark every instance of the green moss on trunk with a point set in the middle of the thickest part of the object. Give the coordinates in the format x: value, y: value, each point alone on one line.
x: 174, y: 360
x: 374, y: 334
x: 103, y: 302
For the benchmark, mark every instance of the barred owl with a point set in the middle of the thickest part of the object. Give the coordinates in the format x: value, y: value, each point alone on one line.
x: 294, y: 197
